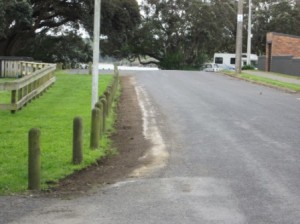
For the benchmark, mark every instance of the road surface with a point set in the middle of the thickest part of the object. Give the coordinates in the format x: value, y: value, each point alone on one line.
x: 224, y: 151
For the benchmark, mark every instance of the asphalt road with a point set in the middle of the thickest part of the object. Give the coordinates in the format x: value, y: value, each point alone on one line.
x: 230, y: 154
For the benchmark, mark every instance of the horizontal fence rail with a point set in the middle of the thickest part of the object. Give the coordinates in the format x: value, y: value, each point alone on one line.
x: 36, y: 78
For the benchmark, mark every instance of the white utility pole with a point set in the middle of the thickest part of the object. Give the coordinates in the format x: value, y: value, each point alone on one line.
x: 239, y: 38
x: 249, y: 33
x: 96, y: 49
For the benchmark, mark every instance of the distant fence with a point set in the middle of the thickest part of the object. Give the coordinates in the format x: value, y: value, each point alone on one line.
x: 36, y: 78
x: 281, y: 64
x: 10, y: 67
x: 286, y: 64
x: 261, y: 63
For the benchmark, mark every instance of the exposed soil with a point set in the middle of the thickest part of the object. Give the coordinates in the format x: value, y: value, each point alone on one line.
x: 128, y: 140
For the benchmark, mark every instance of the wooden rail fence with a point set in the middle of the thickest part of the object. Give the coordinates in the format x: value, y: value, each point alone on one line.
x: 36, y: 78
x: 10, y: 67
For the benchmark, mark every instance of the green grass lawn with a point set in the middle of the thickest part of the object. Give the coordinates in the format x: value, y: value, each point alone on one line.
x: 5, y: 97
x: 6, y: 79
x: 286, y: 76
x: 53, y: 114
x: 268, y: 81
x: 272, y: 82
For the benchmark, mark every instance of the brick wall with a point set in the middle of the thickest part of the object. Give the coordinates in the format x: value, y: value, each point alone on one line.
x: 281, y: 45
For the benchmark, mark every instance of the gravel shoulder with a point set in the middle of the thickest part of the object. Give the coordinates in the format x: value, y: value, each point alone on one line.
x: 129, y: 142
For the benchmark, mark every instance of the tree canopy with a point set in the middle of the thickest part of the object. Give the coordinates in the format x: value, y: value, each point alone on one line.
x: 183, y: 33
x: 24, y: 23
x: 176, y: 34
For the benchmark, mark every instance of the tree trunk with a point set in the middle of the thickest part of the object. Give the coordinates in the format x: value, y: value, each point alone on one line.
x: 13, y: 44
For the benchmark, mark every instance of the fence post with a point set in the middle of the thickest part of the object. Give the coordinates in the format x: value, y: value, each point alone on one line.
x: 34, y: 160
x: 59, y: 66
x: 110, y: 90
x: 90, y: 68
x: 107, y: 96
x: 77, y: 140
x: 99, y: 106
x: 103, y: 102
x: 13, y: 100
x: 95, y: 135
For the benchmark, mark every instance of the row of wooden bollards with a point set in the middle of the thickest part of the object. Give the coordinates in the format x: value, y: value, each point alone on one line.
x: 99, y: 115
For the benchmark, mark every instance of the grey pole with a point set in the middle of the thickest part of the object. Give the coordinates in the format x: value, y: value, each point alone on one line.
x: 249, y: 33
x: 96, y: 49
x: 239, y: 38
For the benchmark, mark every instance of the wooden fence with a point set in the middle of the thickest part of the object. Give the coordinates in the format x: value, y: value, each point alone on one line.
x: 36, y: 78
x: 10, y: 67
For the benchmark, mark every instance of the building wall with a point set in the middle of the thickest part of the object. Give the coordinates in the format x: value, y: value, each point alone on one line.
x: 286, y: 65
x: 279, y: 44
x: 283, y: 44
x: 281, y: 64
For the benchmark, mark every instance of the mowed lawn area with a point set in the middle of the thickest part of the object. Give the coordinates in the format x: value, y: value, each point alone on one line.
x: 53, y: 114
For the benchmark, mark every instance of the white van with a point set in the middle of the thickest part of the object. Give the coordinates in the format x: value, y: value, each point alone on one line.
x: 229, y: 59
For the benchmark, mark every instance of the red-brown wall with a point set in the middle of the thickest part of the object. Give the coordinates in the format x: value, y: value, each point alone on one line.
x: 281, y: 45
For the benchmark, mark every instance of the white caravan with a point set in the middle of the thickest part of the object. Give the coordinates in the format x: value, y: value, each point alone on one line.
x: 227, y: 59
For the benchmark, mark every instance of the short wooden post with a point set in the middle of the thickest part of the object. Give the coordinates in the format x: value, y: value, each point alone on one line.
x: 59, y: 66
x: 104, y: 112
x: 115, y: 86
x: 107, y: 96
x: 109, y: 89
x: 100, y: 107
x: 90, y: 68
x: 34, y: 160
x: 77, y: 140
x: 95, y: 135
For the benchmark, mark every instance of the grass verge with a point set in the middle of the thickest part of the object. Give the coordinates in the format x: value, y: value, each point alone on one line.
x: 266, y: 81
x: 53, y: 114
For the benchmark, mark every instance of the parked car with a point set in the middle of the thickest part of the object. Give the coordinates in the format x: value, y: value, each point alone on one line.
x: 210, y: 67
x: 223, y: 67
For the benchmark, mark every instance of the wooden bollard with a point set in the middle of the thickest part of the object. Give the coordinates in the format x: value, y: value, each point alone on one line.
x: 99, y: 106
x: 77, y: 140
x: 113, y: 86
x: 34, y: 160
x: 107, y: 96
x: 59, y: 66
x: 95, y: 135
x: 90, y: 68
x: 104, y: 112
x: 110, y: 90
x: 115, y: 83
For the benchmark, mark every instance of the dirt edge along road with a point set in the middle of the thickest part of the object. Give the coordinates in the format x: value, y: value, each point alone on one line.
x: 128, y: 140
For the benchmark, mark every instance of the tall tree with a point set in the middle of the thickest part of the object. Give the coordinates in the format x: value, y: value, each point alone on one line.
x: 16, y: 20
x: 23, y: 20
x: 273, y: 16
x: 180, y: 33
x: 174, y: 32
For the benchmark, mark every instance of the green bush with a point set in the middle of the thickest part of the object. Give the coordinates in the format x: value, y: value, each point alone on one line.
x: 248, y: 67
